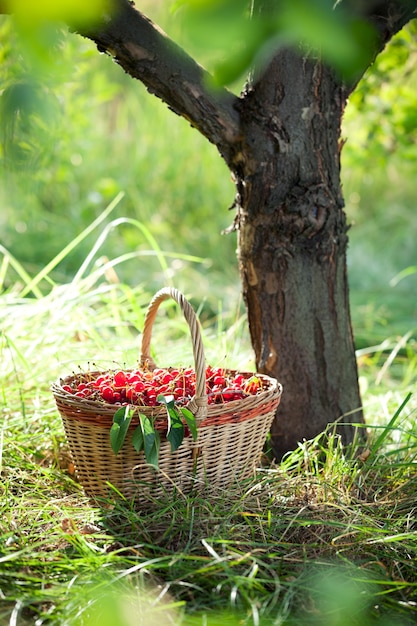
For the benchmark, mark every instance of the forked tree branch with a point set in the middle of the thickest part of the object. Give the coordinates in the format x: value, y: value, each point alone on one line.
x: 145, y: 52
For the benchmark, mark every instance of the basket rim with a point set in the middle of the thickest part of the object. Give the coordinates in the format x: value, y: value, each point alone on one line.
x: 84, y: 409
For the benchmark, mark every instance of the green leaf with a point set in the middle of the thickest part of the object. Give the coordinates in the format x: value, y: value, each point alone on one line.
x: 137, y: 439
x: 114, y: 437
x: 122, y: 414
x: 118, y: 431
x: 151, y: 442
x: 191, y: 423
x: 175, y: 432
x: 152, y: 454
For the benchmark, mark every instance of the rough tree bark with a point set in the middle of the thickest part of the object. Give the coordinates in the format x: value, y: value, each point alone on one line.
x: 292, y: 247
x: 281, y: 141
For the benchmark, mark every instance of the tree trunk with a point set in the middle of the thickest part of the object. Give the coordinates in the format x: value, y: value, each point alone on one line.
x: 292, y: 247
x: 280, y: 140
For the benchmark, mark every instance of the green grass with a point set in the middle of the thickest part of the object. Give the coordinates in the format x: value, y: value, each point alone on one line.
x: 106, y: 197
x: 323, y: 538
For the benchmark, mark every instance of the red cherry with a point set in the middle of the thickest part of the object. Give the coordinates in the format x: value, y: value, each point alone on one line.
x: 133, y: 378
x: 83, y: 393
x: 139, y: 386
x: 107, y: 394
x: 120, y: 379
x: 167, y: 378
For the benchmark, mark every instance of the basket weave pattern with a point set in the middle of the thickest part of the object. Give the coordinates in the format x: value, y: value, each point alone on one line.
x: 230, y: 435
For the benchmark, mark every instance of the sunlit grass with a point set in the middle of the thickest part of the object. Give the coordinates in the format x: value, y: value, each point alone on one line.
x: 325, y: 537
x: 112, y: 198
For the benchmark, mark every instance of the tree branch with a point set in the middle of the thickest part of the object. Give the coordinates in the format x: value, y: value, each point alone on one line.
x: 146, y: 53
x: 387, y: 16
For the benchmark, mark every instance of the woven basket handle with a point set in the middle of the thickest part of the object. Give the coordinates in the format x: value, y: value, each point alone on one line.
x: 198, y: 404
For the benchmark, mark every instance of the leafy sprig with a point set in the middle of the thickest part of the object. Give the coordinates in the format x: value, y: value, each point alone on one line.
x: 146, y: 437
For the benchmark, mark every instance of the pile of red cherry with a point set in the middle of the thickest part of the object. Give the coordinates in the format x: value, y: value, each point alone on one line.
x: 142, y: 387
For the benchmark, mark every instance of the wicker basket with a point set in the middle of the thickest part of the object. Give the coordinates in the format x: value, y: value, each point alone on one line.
x: 230, y: 438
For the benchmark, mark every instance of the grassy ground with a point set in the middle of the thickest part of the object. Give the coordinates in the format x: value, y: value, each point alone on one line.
x: 324, y: 538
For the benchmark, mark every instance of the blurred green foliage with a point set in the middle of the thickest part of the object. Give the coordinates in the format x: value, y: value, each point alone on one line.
x: 78, y: 131
x: 237, y: 43
x: 75, y: 131
x: 29, y: 13
x: 379, y: 167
